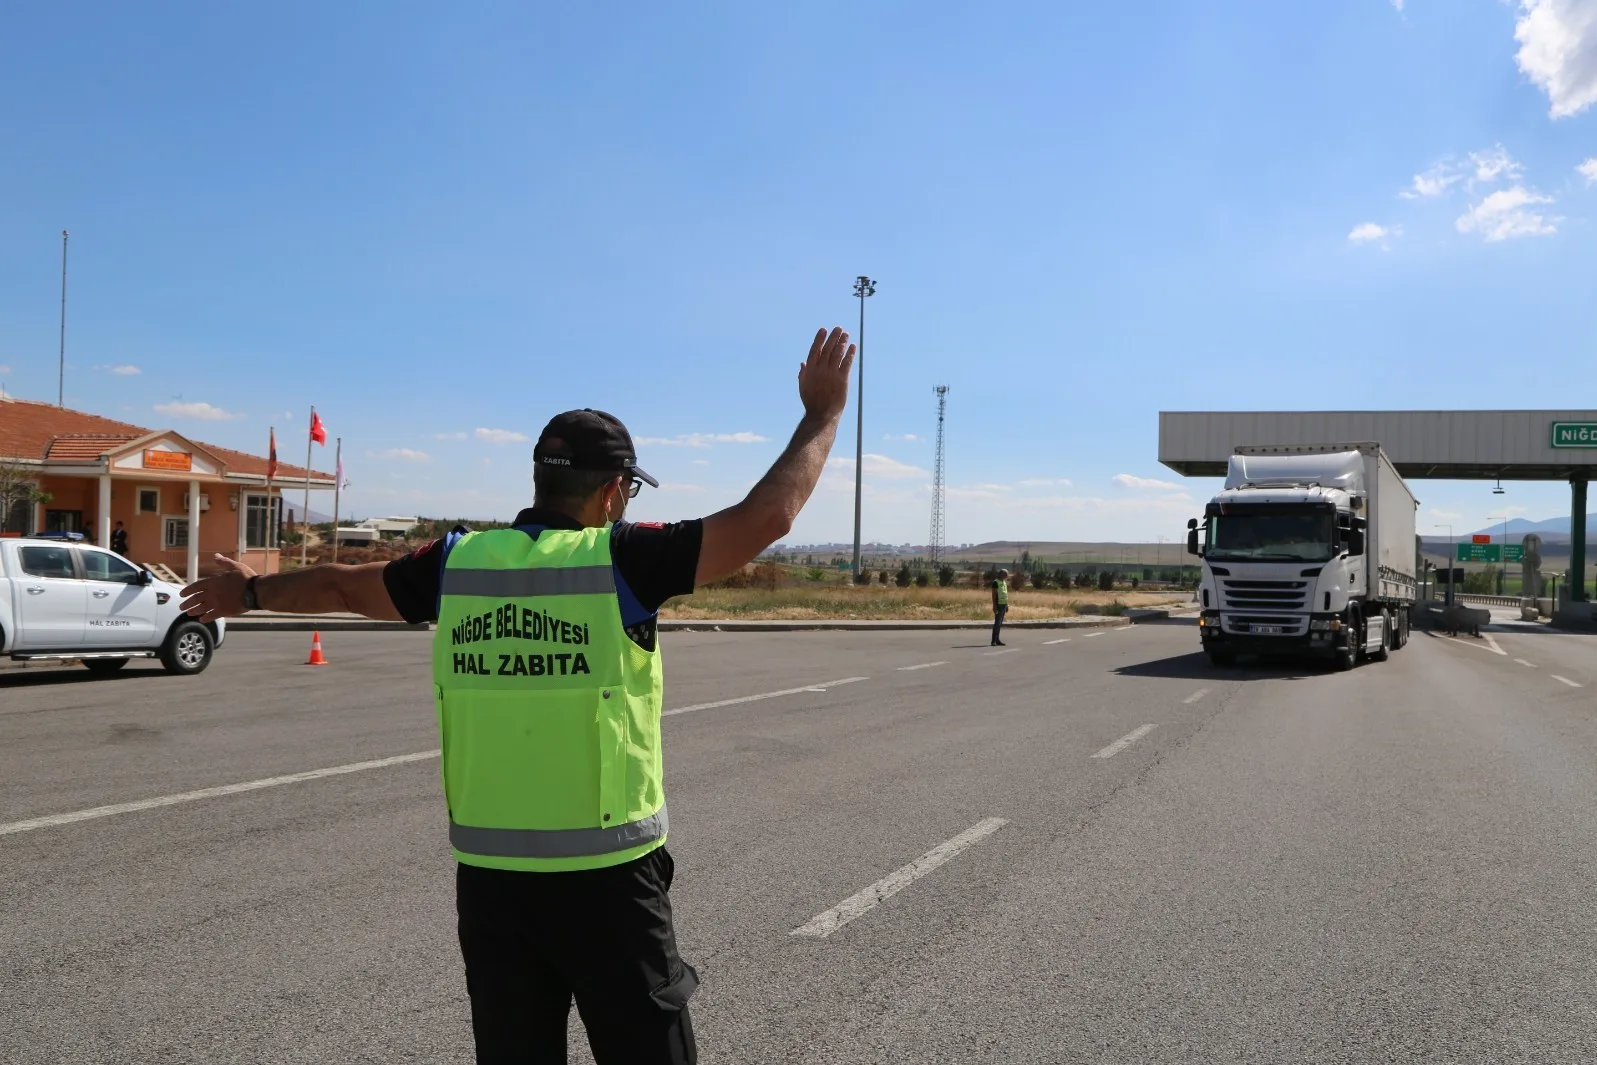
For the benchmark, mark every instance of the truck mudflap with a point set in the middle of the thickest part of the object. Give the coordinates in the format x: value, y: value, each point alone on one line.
x: 1325, y: 635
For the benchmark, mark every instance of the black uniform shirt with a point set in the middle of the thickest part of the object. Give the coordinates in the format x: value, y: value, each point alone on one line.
x: 652, y: 562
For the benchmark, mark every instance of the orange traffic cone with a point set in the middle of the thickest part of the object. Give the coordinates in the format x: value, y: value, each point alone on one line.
x: 316, y: 659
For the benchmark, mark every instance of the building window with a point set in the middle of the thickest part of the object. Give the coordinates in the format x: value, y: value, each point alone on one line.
x: 63, y: 521
x: 100, y: 566
x: 262, y: 519
x: 176, y: 534
x: 149, y: 501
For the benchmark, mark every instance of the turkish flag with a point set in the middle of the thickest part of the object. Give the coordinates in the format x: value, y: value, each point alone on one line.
x: 271, y: 457
x: 318, y: 430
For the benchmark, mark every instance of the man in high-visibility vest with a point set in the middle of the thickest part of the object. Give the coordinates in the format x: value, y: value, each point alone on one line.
x: 1000, y: 589
x: 546, y: 671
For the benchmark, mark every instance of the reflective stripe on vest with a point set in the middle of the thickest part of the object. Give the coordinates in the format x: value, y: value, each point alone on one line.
x: 549, y: 713
x: 557, y: 842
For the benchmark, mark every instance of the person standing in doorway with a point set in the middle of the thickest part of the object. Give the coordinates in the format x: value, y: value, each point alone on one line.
x: 547, y: 676
x: 119, y: 540
x: 1000, y: 588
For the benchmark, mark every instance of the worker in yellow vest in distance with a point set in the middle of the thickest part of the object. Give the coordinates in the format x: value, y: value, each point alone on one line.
x: 1000, y: 589
x: 547, y: 679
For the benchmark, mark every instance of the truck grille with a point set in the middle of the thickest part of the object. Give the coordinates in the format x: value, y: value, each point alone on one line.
x: 1266, y: 595
x: 1243, y: 624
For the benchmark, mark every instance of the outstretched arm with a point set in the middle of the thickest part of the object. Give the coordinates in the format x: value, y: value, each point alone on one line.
x: 735, y: 536
x: 317, y: 590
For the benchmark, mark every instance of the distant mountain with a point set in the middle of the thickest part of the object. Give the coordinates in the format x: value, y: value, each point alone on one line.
x: 1520, y: 526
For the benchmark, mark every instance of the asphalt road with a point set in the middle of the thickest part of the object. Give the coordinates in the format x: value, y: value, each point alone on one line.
x: 1151, y: 861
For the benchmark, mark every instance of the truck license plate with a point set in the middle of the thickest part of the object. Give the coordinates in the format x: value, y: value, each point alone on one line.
x: 1267, y: 630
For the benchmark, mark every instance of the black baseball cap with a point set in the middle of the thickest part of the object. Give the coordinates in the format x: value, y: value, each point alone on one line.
x: 589, y: 440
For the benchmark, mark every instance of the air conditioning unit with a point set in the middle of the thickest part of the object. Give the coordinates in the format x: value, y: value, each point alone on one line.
x: 205, y: 501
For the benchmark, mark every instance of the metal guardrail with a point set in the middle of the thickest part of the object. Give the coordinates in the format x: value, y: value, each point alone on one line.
x: 1489, y: 600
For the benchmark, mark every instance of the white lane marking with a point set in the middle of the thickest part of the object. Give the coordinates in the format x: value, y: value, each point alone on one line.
x: 1125, y: 741
x: 1565, y: 680
x: 1522, y: 662
x: 1493, y: 642
x: 1005, y: 651
x: 824, y: 924
x: 1050, y: 643
x: 1195, y: 696
x: 1090, y: 635
x: 923, y: 665
x: 821, y: 687
x: 1464, y: 641
x: 54, y: 820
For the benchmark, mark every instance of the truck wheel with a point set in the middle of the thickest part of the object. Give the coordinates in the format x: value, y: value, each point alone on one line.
x: 1385, y: 650
x: 1222, y: 659
x: 104, y: 667
x: 1348, y: 657
x: 188, y: 649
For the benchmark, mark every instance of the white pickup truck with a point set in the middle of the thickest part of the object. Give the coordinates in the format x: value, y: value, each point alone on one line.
x: 63, y: 598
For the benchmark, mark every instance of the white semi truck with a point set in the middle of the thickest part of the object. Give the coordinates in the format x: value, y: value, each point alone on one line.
x: 1308, y: 550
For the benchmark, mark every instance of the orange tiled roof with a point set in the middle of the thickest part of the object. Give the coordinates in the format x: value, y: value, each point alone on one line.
x: 33, y: 430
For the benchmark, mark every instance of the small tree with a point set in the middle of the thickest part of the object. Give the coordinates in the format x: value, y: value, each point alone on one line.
x: 1106, y: 581
x: 923, y: 579
x: 862, y: 577
x: 904, y: 576
x: 881, y: 578
x: 945, y: 575
x: 18, y: 489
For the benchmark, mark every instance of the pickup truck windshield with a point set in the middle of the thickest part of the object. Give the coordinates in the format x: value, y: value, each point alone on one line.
x: 1304, y: 536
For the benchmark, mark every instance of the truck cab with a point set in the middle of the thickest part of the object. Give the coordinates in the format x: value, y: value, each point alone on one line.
x: 63, y: 598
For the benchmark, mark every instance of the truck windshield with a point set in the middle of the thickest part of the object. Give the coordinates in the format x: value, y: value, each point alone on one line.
x: 1304, y: 536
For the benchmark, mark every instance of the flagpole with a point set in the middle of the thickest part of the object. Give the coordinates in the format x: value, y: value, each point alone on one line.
x: 338, y: 487
x: 305, y: 515
x: 272, y: 528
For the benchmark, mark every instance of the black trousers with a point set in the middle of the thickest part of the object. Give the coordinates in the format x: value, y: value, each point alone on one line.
x: 533, y: 942
x: 998, y: 620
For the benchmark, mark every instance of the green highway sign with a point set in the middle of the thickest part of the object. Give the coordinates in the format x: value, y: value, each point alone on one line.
x: 1575, y: 434
x: 1490, y: 552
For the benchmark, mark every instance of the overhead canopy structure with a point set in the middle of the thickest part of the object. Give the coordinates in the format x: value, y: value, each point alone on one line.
x: 1454, y: 445
x: 1509, y: 445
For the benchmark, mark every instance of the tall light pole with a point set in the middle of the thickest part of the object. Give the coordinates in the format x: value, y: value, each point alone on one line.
x: 61, y: 388
x: 863, y: 287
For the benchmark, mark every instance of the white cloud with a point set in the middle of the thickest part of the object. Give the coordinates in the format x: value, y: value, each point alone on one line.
x: 1127, y: 480
x: 449, y: 436
x: 121, y: 371
x: 1433, y: 182
x: 202, y: 412
x: 1558, y: 52
x: 1445, y: 516
x: 907, y: 438
x: 1371, y: 233
x: 1588, y: 170
x: 405, y: 453
x: 701, y: 439
x: 1503, y: 215
x: 881, y: 466
x: 701, y: 462
x: 1040, y: 482
x: 1493, y: 163
x: 5, y: 369
x: 501, y: 436
x: 1398, y: 6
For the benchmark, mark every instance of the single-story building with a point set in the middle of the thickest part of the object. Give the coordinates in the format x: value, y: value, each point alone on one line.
x: 181, y: 501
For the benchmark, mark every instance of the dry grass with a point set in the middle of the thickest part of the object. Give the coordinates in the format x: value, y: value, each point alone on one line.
x: 842, y: 602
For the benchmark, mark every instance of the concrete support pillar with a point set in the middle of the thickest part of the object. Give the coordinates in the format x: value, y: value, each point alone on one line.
x: 1577, y: 541
x: 103, y: 519
x: 193, y: 573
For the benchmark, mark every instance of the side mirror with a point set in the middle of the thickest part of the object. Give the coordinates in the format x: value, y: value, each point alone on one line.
x: 146, y: 578
x: 1192, y: 537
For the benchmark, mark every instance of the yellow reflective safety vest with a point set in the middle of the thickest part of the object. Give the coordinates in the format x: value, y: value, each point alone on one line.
x: 1001, y: 589
x: 548, y: 711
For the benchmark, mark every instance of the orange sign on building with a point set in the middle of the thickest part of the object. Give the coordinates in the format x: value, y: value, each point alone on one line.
x: 176, y: 461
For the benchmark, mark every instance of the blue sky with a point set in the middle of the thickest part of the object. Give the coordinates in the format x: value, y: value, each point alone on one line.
x: 443, y: 223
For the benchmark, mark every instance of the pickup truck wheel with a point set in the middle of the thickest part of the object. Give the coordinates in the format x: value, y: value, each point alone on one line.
x: 104, y: 667
x: 188, y: 649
